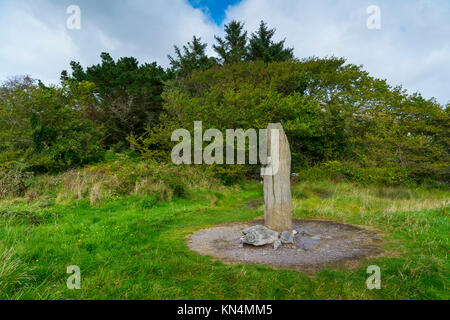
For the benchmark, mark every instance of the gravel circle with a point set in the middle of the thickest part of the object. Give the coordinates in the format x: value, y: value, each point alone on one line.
x: 335, y: 244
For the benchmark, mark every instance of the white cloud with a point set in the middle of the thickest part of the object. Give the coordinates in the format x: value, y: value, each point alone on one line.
x: 30, y: 46
x: 412, y: 48
x: 35, y: 41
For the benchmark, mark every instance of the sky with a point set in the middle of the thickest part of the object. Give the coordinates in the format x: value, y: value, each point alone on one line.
x: 411, y: 48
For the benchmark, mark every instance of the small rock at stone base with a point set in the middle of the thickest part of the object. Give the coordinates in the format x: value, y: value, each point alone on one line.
x: 239, y: 242
x: 306, y: 243
x: 287, y: 237
x: 277, y: 244
x: 259, y: 236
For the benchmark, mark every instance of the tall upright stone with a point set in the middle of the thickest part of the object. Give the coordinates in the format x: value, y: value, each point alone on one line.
x: 277, y: 180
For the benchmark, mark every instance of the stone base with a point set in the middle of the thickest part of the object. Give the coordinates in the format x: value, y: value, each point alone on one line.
x: 318, y: 244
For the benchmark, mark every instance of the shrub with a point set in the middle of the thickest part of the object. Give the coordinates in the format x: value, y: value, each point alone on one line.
x: 124, y: 175
x: 51, y: 132
x: 347, y: 171
x: 14, y: 181
x: 330, y: 110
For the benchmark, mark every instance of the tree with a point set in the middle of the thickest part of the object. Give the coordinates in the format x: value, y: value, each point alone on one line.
x: 44, y: 127
x: 128, y: 95
x: 262, y: 47
x: 14, y: 117
x: 409, y: 132
x: 234, y: 47
x: 193, y: 57
x: 330, y: 111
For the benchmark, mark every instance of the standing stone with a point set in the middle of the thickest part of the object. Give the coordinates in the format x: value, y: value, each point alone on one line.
x: 277, y: 181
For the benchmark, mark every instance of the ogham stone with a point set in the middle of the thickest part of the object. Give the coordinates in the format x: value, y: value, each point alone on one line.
x: 277, y: 181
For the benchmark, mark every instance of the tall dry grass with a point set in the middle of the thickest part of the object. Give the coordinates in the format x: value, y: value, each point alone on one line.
x: 108, y: 181
x: 342, y: 199
x: 15, y: 274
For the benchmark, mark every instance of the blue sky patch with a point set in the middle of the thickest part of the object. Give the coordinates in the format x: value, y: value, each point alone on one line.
x: 214, y: 8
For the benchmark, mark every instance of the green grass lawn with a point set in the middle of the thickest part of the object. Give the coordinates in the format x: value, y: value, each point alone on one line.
x: 135, y: 248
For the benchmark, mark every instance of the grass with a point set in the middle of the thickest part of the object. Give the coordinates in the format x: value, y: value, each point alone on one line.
x: 134, y: 247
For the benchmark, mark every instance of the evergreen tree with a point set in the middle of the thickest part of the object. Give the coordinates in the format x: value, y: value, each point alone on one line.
x: 128, y: 95
x: 192, y: 57
x: 262, y: 47
x: 234, y: 47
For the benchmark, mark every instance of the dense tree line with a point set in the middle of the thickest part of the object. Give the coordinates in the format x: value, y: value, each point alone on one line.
x: 235, y: 47
x: 331, y: 110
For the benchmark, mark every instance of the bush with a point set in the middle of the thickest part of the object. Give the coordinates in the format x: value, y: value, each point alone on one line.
x: 330, y: 111
x: 231, y: 174
x: 353, y: 172
x: 14, y: 181
x: 124, y: 175
x: 51, y: 132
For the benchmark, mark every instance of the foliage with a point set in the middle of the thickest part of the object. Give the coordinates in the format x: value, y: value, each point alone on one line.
x: 193, y: 57
x: 360, y: 147
x: 124, y: 175
x: 14, y: 181
x: 262, y: 47
x: 330, y: 111
x: 45, y: 127
x: 127, y: 95
x: 351, y: 172
x: 411, y: 133
x: 234, y: 47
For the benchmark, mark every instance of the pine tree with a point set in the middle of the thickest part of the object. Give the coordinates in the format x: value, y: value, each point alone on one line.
x: 234, y: 47
x: 193, y: 57
x: 128, y: 95
x: 262, y: 47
